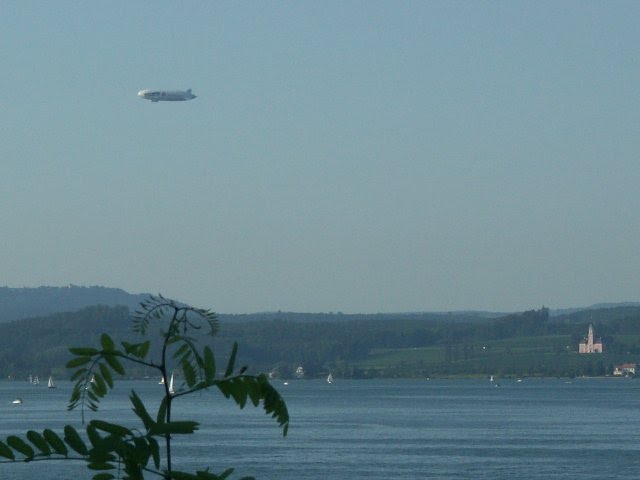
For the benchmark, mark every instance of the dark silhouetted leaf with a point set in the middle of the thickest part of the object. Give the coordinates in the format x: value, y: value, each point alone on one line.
x: 162, y: 411
x: 224, y: 474
x: 155, y: 451
x: 94, y: 436
x: 112, y: 428
x: 55, y: 441
x: 189, y: 373
x: 100, y: 466
x: 103, y: 476
x: 100, y: 387
x: 144, y: 349
x: 140, y: 410
x: 106, y: 342
x: 232, y: 360
x: 39, y: 441
x: 72, y: 439
x: 178, y: 428
x: 114, y: 363
x: 20, y: 446
x: 6, y: 452
x: 209, y: 365
x: 84, y: 352
x: 184, y: 348
x: 106, y: 374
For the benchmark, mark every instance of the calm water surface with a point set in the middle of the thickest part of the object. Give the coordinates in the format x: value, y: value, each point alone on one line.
x: 379, y: 429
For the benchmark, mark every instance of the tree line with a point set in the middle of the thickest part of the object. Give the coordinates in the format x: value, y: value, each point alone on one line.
x: 527, y: 343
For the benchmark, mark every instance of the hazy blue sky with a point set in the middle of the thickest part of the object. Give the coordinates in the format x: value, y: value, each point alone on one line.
x: 341, y: 156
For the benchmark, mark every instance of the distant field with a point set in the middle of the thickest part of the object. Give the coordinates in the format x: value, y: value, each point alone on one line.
x: 551, y: 355
x: 627, y: 339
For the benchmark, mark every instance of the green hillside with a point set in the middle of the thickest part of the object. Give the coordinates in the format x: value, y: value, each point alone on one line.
x: 530, y: 343
x: 548, y: 355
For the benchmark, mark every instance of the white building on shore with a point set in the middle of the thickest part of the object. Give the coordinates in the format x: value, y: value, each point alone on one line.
x: 589, y: 345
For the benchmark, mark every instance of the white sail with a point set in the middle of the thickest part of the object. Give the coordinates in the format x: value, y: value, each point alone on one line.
x: 330, y: 379
x: 161, y: 382
x: 50, y: 383
x: 171, y: 390
x: 91, y: 380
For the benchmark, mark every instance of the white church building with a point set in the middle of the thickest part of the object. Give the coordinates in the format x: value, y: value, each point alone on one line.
x: 589, y: 345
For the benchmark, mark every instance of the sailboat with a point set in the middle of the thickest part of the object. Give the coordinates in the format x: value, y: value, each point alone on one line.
x: 161, y: 382
x: 92, y: 380
x: 330, y: 379
x: 50, y: 383
x: 171, y: 390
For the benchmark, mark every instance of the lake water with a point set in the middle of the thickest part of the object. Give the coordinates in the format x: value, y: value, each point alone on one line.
x: 378, y: 429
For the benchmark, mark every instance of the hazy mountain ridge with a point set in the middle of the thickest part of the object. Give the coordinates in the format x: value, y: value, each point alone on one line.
x: 18, y: 303
x: 595, y: 306
x: 301, y: 317
x: 25, y: 302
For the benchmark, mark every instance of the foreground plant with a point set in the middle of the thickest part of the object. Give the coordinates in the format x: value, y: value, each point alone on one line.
x: 117, y: 451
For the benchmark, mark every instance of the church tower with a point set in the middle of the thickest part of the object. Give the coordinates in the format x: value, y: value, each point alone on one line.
x: 589, y: 344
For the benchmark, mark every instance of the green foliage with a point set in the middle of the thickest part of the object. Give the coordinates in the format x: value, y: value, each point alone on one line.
x: 115, y: 451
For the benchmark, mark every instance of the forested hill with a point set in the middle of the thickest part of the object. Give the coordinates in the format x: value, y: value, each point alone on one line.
x: 41, y: 345
x: 17, y: 303
x: 519, y: 344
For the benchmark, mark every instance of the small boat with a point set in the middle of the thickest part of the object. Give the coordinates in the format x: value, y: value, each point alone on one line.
x: 171, y: 389
x: 161, y: 382
x: 36, y: 380
x: 50, y: 383
x: 92, y: 380
x: 17, y: 401
x: 330, y: 379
